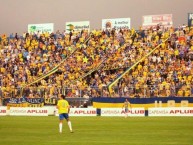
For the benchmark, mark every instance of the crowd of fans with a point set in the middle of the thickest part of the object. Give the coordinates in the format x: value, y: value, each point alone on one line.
x: 95, y: 59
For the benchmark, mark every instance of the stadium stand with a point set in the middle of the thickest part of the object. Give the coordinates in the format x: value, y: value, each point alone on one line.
x: 100, y: 57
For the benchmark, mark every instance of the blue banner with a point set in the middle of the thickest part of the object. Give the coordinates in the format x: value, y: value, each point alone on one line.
x: 23, y: 100
x: 142, y: 100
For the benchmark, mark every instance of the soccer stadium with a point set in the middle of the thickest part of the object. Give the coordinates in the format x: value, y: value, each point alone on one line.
x: 96, y: 72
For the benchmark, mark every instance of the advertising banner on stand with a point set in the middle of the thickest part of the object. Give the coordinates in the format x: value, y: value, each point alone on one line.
x: 171, y: 111
x: 81, y: 112
x: 164, y: 20
x: 77, y: 26
x: 118, y: 23
x: 41, y: 28
x: 140, y: 112
x: 190, y: 19
x: 3, y: 111
x: 28, y: 111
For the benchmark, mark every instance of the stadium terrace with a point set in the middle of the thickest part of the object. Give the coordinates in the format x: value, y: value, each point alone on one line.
x: 158, y: 62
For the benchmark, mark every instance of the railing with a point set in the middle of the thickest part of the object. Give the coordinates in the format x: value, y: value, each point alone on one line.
x: 145, y: 91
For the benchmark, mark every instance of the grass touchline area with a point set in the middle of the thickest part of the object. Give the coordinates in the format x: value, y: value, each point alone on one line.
x: 97, y: 131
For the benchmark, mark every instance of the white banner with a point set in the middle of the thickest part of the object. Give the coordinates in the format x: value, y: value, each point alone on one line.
x: 117, y: 23
x: 27, y: 111
x: 190, y: 19
x: 153, y: 20
x: 172, y: 111
x: 121, y: 112
x: 77, y: 26
x: 81, y: 112
x: 3, y: 111
x: 42, y: 28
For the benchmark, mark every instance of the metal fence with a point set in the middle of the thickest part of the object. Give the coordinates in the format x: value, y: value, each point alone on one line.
x: 145, y: 91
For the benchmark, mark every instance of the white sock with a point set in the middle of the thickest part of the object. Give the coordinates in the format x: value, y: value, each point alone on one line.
x: 60, y: 127
x: 70, y: 125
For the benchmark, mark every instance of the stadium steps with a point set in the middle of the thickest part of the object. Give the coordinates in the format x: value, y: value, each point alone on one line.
x: 131, y: 67
x: 55, y: 69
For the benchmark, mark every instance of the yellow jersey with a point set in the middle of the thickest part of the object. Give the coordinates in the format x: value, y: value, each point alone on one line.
x: 63, y: 106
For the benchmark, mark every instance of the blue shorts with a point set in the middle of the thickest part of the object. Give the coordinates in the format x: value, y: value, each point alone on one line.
x: 63, y: 115
x: 126, y: 110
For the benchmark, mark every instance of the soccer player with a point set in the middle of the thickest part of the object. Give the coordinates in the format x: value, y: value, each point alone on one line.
x: 126, y: 105
x: 63, y: 110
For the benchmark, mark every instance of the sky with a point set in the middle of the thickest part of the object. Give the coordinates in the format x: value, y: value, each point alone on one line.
x: 15, y: 15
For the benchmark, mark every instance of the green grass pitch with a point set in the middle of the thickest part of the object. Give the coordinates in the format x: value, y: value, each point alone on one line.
x: 97, y: 131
